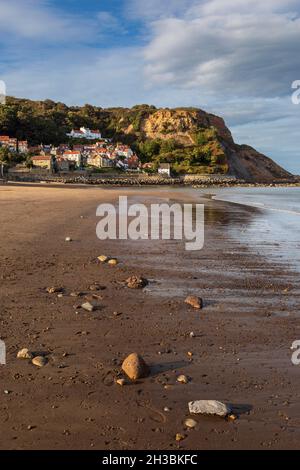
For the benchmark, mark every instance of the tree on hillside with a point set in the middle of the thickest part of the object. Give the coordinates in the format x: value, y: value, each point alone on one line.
x: 6, y: 156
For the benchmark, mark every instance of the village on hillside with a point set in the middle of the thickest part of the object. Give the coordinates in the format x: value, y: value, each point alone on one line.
x: 93, y: 153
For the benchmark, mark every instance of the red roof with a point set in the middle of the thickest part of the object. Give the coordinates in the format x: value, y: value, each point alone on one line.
x: 41, y: 157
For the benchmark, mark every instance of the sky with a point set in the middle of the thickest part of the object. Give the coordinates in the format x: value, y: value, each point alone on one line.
x: 234, y: 58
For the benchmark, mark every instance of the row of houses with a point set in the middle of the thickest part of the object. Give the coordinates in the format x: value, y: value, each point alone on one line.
x: 65, y: 157
x: 98, y: 155
x: 13, y: 144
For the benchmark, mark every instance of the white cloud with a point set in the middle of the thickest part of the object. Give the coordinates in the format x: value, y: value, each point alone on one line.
x: 153, y: 9
x: 248, y: 52
x: 35, y: 19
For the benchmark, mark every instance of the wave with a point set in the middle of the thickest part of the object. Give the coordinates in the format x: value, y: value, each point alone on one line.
x: 258, y: 205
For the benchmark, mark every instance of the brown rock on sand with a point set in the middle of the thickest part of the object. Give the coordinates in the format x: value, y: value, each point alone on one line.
x: 136, y: 282
x: 195, y: 302
x: 40, y: 361
x: 54, y: 290
x: 113, y: 262
x: 24, y: 354
x: 135, y: 367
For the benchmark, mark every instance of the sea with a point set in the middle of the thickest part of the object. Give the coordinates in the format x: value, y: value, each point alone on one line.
x: 274, y: 228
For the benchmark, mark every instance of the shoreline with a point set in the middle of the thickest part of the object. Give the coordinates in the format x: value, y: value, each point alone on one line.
x: 241, y: 348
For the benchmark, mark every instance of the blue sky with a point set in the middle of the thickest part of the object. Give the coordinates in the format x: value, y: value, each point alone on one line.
x: 235, y: 58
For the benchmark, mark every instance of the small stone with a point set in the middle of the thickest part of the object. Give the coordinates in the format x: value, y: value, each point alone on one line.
x: 232, y: 417
x: 39, y: 361
x: 190, y: 423
x: 168, y: 387
x: 103, y: 259
x: 30, y: 428
x: 190, y: 354
x: 166, y: 409
x: 209, y: 407
x: 194, y: 302
x: 96, y: 287
x: 54, y: 290
x: 182, y: 379
x: 7, y: 392
x: 135, y: 367
x: 76, y: 294
x: 179, y: 437
x: 113, y: 262
x: 136, y: 282
x: 68, y: 239
x: 121, y: 382
x: 88, y: 307
x: 192, y: 335
x: 117, y: 314
x: 24, y: 354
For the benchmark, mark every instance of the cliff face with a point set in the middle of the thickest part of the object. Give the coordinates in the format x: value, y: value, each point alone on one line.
x: 183, y: 125
x: 245, y: 162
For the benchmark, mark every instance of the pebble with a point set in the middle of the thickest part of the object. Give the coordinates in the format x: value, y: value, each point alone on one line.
x: 54, y: 290
x: 24, y: 354
x: 121, y: 382
x: 180, y: 437
x: 88, y: 307
x: 96, y: 287
x: 195, y: 302
x: 68, y: 239
x: 136, y: 282
x: 209, y: 407
x: 232, y: 418
x: 135, y: 367
x: 103, y: 258
x: 40, y: 361
x: 113, y: 262
x: 190, y: 423
x: 182, y: 379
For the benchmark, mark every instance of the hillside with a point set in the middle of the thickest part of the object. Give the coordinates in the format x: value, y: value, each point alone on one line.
x: 192, y: 140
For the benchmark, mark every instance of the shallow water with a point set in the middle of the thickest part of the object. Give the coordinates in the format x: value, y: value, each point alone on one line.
x: 270, y: 229
x: 274, y: 229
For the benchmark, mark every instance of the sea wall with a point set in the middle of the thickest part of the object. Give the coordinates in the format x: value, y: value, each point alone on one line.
x: 122, y: 180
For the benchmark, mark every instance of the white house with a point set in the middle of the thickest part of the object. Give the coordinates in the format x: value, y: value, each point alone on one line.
x: 100, y: 161
x: 123, y: 151
x: 165, y: 169
x: 84, y: 133
x: 73, y: 156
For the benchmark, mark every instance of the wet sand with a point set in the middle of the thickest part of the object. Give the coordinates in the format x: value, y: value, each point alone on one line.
x: 241, y: 349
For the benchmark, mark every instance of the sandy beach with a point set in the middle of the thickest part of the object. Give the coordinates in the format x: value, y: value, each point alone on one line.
x: 240, y: 350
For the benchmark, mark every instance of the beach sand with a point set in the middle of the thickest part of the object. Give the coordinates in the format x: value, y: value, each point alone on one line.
x: 241, y: 349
